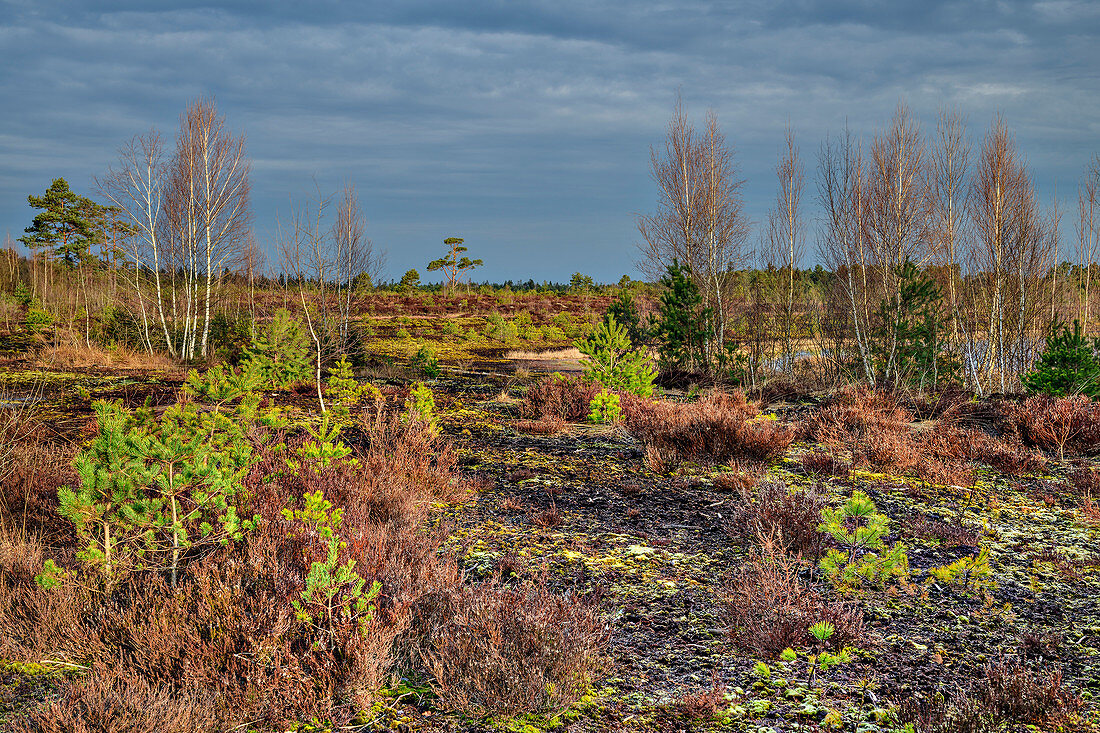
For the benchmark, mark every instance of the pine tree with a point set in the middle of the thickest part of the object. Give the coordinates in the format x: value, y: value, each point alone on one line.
x: 625, y: 312
x: 280, y: 352
x: 683, y: 324
x: 68, y: 225
x: 1069, y: 365
x: 614, y: 362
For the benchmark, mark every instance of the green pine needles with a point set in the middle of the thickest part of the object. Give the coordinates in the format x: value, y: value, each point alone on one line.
x: 604, y: 408
x: 1068, y: 367
x: 683, y: 326
x: 333, y: 589
x: 613, y: 361
x: 154, y: 490
x: 861, y: 529
x: 280, y: 353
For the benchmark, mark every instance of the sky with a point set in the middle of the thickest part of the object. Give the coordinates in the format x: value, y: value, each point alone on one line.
x: 525, y: 127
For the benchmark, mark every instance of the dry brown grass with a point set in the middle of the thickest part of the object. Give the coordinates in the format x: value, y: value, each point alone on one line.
x: 570, y: 354
x: 82, y: 356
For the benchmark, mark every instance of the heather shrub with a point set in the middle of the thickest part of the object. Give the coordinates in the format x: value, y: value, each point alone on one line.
x: 112, y: 701
x: 495, y: 648
x: 787, y: 517
x: 718, y: 428
x: 558, y: 396
x: 1008, y: 693
x: 770, y: 609
x: 1066, y: 425
x: 858, y: 414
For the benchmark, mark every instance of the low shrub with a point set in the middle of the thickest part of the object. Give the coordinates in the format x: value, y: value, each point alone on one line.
x: 718, y: 428
x: 305, y: 615
x: 1008, y: 693
x: 770, y: 609
x: 495, y: 648
x: 113, y: 701
x: 877, y: 431
x: 861, y: 531
x: 1064, y: 425
x: 789, y: 517
x: 558, y: 396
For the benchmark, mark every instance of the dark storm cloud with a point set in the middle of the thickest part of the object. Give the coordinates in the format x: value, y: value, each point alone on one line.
x: 524, y: 127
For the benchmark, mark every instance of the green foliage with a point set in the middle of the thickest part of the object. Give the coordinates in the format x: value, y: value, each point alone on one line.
x: 409, y: 281
x: 861, y: 529
x: 153, y: 489
x: 23, y: 294
x: 68, y: 224
x: 501, y: 329
x: 625, y: 312
x: 343, y: 391
x: 421, y: 405
x: 682, y: 323
x: 280, y: 352
x: 426, y: 362
x: 324, y: 449
x: 614, y: 362
x: 37, y: 319
x: 972, y: 572
x: 51, y: 576
x: 580, y: 283
x: 604, y: 408
x: 1068, y: 367
x: 908, y: 344
x: 334, y: 591
x: 453, y: 265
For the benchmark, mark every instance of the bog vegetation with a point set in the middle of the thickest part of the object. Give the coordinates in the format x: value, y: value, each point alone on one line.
x: 262, y: 487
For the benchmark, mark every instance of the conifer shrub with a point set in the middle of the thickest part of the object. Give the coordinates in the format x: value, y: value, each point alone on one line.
x: 426, y: 362
x: 344, y: 392
x: 1068, y: 367
x: 861, y: 531
x: 604, y: 408
x: 279, y: 355
x: 613, y: 361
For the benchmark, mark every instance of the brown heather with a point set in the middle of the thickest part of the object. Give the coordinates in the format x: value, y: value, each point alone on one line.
x: 224, y: 647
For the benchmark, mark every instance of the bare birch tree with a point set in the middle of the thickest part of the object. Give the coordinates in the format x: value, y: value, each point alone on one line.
x: 843, y: 244
x: 207, y: 213
x: 136, y: 188
x: 950, y: 161
x: 899, y: 208
x: 700, y: 220
x: 1088, y: 234
x: 785, y: 237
